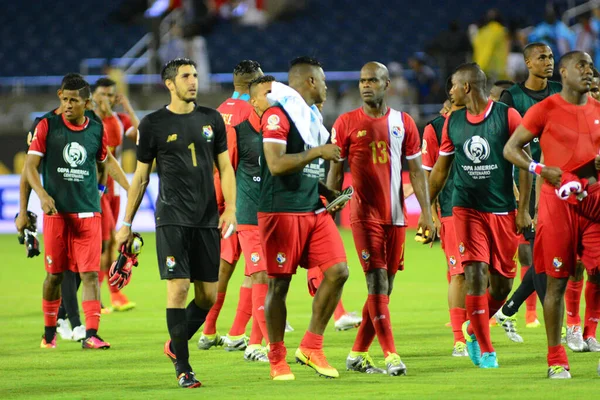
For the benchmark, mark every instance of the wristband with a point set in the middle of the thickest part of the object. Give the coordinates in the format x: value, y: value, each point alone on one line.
x: 126, y: 224
x: 536, y: 168
x: 101, y: 188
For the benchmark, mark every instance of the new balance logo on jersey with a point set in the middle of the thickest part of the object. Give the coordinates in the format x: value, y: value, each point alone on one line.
x: 478, y: 312
x: 360, y: 134
x: 172, y: 138
x: 74, y: 154
x: 477, y: 149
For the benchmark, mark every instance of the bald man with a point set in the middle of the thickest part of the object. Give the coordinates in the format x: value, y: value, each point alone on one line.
x: 294, y: 229
x: 376, y: 139
x: 483, y: 203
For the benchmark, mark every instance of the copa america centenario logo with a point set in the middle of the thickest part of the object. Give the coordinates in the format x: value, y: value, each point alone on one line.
x: 74, y: 154
x: 477, y: 149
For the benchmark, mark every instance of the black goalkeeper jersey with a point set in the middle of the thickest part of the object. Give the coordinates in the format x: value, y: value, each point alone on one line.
x: 185, y: 147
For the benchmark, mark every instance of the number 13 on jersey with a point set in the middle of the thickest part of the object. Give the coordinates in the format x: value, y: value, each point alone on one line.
x: 379, y: 151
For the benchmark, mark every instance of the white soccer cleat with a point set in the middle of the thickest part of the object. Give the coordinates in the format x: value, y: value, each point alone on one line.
x: 207, y: 341
x: 78, y: 333
x: 256, y: 352
x: 510, y: 326
x: 558, y: 372
x: 63, y: 328
x: 460, y: 350
x: 235, y: 343
x: 288, y: 327
x: 348, y: 321
x: 592, y: 345
x: 363, y: 363
x: 575, y: 339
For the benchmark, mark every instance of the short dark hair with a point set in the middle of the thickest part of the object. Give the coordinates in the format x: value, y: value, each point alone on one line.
x: 305, y: 60
x: 473, y: 74
x: 568, y: 56
x: 246, y: 67
x: 69, y: 76
x: 261, y: 79
x: 171, y: 68
x: 104, y: 82
x: 504, y: 83
x: 529, y: 48
x: 80, y: 85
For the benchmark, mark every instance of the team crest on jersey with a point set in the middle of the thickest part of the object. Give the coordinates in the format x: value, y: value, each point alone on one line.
x: 453, y: 260
x: 477, y: 149
x: 207, y: 132
x: 398, y: 131
x: 365, y: 255
x: 48, y: 260
x: 273, y: 122
x: 280, y: 258
x: 254, y: 258
x: 557, y: 262
x: 461, y: 248
x: 74, y: 154
x: 170, y: 262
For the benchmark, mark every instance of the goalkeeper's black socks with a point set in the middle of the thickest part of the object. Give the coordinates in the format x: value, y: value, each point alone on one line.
x: 195, y: 318
x: 177, y: 324
x: 525, y: 289
x: 49, y: 333
x: 69, y: 297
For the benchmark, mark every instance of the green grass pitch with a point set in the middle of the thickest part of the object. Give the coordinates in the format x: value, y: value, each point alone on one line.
x: 135, y: 368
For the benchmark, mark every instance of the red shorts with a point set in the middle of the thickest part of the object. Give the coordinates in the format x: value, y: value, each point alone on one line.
x: 306, y: 239
x: 230, y: 249
x: 110, y: 213
x: 71, y: 242
x: 450, y: 246
x: 563, y: 232
x: 379, y: 246
x: 253, y: 254
x: 487, y: 237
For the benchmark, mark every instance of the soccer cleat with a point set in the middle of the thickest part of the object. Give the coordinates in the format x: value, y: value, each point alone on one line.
x: 46, y: 345
x: 106, y: 310
x: 236, y: 343
x: 348, y: 321
x: 120, y: 302
x: 448, y: 324
x: 592, y: 345
x: 394, y: 365
x: 533, y: 324
x: 208, y: 341
x: 558, y: 372
x: 78, y: 333
x: 489, y: 360
x: 317, y: 361
x: 460, y: 350
x: 282, y: 372
x: 493, y: 322
x: 362, y: 362
x: 510, y: 326
x: 472, y: 345
x: 95, y: 342
x: 188, y: 380
x: 255, y: 352
x: 169, y: 353
x: 575, y: 338
x: 63, y: 328
x: 288, y: 327
x: 531, y: 320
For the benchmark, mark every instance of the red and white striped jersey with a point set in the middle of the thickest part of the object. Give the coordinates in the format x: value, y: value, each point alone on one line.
x: 375, y: 148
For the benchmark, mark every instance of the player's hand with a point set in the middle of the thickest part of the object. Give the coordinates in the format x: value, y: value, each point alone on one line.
x: 21, y: 222
x: 227, y: 220
x: 48, y: 205
x: 330, y: 152
x: 103, y: 109
x: 122, y: 100
x: 552, y: 175
x: 428, y: 229
x: 124, y: 237
x: 523, y: 222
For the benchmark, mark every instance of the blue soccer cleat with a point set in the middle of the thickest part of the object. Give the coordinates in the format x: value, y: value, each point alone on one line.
x: 489, y: 360
x: 472, y: 345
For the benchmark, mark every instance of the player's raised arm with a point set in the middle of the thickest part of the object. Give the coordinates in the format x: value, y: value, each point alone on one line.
x: 281, y: 163
x: 116, y: 172
x: 441, y: 169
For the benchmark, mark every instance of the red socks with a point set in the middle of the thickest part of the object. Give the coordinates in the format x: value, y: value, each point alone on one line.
x: 592, y: 309
x: 557, y: 356
x: 210, y: 325
x: 339, y: 311
x: 243, y: 314
x: 379, y: 313
x: 366, y: 332
x: 457, y: 317
x: 50, y: 309
x: 493, y: 304
x: 312, y: 341
x: 259, y: 323
x: 572, y: 301
x: 478, y: 313
x: 531, y: 301
x: 91, y: 309
x: 277, y: 352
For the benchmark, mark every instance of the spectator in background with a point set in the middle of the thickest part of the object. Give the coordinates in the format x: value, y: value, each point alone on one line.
x: 515, y: 65
x: 595, y: 22
x: 586, y: 37
x: 424, y: 78
x: 554, y: 33
x: 451, y: 48
x: 490, y: 46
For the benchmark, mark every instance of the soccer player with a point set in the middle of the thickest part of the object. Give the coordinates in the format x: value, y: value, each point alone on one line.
x: 186, y: 140
x: 117, y: 125
x: 294, y: 229
x: 234, y: 110
x: 432, y: 139
x: 567, y: 125
x: 71, y: 147
x: 483, y: 202
x: 498, y: 88
x: 376, y: 139
x: 522, y: 96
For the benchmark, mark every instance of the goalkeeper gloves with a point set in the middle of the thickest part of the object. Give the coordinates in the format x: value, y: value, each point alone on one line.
x: 120, y: 271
